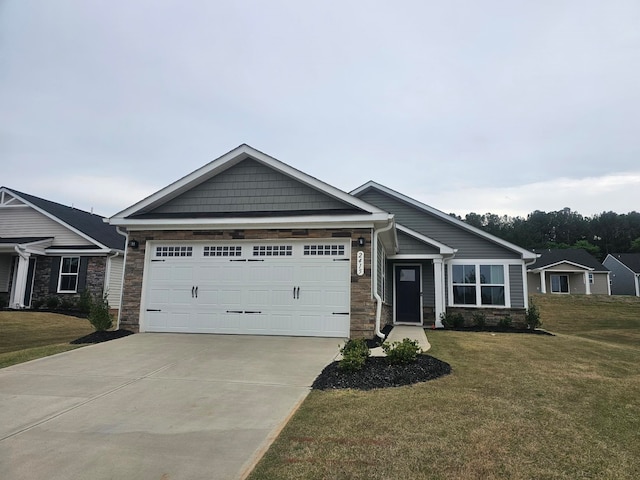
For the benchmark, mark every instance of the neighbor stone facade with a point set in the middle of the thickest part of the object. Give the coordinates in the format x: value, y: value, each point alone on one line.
x: 363, y: 305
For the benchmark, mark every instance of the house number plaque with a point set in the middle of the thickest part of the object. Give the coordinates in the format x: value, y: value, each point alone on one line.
x: 360, y: 264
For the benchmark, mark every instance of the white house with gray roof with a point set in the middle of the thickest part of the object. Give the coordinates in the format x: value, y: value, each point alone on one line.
x: 51, y: 250
x: 250, y: 245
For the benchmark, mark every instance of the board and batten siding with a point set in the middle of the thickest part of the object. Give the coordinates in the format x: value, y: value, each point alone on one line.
x: 469, y: 244
x: 250, y: 186
x: 114, y: 282
x: 27, y: 222
x: 516, y: 286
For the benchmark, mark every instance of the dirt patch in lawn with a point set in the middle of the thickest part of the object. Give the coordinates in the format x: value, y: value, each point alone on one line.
x: 379, y: 373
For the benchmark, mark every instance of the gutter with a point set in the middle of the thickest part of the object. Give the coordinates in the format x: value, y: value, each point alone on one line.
x: 374, y: 274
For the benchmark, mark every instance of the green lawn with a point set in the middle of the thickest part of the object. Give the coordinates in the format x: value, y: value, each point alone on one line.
x: 29, y: 335
x: 516, y: 406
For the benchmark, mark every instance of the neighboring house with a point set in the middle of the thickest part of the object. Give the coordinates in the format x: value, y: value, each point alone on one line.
x: 568, y: 271
x: 48, y: 249
x: 625, y: 273
x: 249, y: 245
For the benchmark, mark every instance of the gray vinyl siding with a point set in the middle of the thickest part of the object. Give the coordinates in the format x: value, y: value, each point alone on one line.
x: 469, y: 244
x: 27, y: 222
x: 516, y: 286
x: 250, y: 186
x: 622, y: 278
x: 409, y: 245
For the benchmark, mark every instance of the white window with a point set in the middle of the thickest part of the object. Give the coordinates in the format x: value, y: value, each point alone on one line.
x: 559, y: 283
x: 333, y: 250
x: 68, y: 280
x: 475, y: 284
x: 223, y: 251
x: 174, y: 251
x: 272, y: 251
x: 591, y: 278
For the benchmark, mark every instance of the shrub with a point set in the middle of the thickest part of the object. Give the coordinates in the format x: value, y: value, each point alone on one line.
x: 99, y: 315
x: 37, y: 304
x: 52, y: 303
x: 406, y: 351
x: 84, y: 302
x: 4, y: 300
x: 354, y: 355
x: 452, y: 320
x: 68, y: 303
x: 505, y: 322
x: 479, y: 319
x: 532, y: 316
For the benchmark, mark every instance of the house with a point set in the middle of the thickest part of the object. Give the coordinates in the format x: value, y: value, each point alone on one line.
x: 51, y: 250
x: 249, y: 245
x: 625, y: 273
x: 569, y: 271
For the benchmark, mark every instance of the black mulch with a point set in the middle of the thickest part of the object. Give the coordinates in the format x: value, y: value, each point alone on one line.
x: 99, y: 337
x: 378, y: 373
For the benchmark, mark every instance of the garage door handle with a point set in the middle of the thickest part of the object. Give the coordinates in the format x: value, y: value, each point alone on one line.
x: 234, y: 311
x: 153, y: 310
x: 192, y: 290
x: 298, y: 293
x: 294, y: 292
x: 196, y: 292
x: 340, y: 313
x: 340, y: 259
x: 249, y: 311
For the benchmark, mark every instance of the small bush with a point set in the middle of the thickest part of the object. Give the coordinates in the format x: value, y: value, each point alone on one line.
x: 84, y: 302
x: 37, y: 304
x: 533, y: 316
x: 406, y: 351
x: 452, y: 320
x: 354, y: 355
x: 68, y: 303
x: 52, y: 303
x: 479, y: 319
x: 99, y: 315
x: 4, y: 300
x: 505, y: 322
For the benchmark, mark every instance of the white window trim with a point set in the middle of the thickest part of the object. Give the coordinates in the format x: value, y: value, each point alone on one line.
x: 477, y: 262
x: 77, y: 275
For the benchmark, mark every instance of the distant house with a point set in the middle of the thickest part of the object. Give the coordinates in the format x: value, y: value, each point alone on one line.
x: 48, y: 249
x: 625, y: 273
x: 567, y: 271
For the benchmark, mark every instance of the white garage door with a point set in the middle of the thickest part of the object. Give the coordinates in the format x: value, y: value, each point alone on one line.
x: 241, y: 287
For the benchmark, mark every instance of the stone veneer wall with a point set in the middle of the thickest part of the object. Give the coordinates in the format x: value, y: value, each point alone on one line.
x: 363, y: 305
x: 518, y: 315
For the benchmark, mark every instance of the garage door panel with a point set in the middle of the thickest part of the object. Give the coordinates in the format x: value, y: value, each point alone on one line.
x: 295, y: 294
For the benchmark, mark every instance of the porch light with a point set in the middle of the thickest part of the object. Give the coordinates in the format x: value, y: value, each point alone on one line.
x: 361, y: 241
x: 134, y: 244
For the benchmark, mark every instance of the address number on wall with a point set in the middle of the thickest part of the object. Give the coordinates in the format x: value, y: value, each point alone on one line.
x: 360, y: 263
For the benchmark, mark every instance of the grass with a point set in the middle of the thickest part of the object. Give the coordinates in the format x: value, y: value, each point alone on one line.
x: 29, y: 335
x: 516, y: 406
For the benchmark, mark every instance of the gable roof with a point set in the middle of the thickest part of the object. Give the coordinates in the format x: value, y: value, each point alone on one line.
x: 524, y: 253
x: 439, y: 246
x: 629, y: 260
x: 574, y: 256
x: 86, y: 224
x: 160, y: 207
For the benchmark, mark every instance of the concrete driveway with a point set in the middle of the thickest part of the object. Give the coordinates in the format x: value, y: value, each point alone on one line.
x: 154, y: 406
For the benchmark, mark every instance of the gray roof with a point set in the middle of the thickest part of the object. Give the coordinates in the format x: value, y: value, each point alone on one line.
x: 88, y: 223
x: 579, y: 256
x: 631, y: 260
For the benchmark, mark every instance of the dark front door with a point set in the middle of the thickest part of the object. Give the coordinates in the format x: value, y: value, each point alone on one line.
x: 408, y: 302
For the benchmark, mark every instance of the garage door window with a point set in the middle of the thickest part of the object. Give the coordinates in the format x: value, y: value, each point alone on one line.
x: 331, y: 250
x: 222, y: 251
x: 272, y: 251
x: 174, y: 251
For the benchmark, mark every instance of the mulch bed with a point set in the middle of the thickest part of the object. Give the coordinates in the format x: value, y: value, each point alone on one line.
x: 99, y: 337
x: 378, y: 373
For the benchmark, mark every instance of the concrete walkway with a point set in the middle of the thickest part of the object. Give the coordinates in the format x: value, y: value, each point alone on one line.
x: 154, y: 406
x: 400, y: 332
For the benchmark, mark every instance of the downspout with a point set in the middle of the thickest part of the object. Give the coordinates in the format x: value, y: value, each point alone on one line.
x: 20, y: 278
x: 124, y: 266
x: 375, y: 278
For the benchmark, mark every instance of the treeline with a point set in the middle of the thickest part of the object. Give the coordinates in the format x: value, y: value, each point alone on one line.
x: 607, y: 232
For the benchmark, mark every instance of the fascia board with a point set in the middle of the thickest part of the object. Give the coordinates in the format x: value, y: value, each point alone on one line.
x: 341, y: 221
x: 57, y: 220
x: 546, y: 267
x: 444, y: 249
x: 419, y: 256
x: 77, y: 252
x: 226, y: 161
x: 526, y: 254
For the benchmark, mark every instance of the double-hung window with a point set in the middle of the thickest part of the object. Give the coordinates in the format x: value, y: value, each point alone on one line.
x: 478, y: 284
x: 68, y: 280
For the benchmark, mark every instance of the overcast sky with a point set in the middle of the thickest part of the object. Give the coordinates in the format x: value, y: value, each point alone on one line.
x: 485, y: 106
